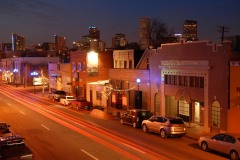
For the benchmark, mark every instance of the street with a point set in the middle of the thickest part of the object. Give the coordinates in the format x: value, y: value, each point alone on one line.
x: 54, y: 131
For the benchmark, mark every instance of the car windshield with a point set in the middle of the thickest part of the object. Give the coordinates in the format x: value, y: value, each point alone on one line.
x: 176, y: 121
x: 70, y: 98
x: 3, y: 126
x: 59, y: 92
x: 144, y: 113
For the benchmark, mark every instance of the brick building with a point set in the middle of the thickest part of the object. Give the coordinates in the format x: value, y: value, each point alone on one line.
x: 190, y: 80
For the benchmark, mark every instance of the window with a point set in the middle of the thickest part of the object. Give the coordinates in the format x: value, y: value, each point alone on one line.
x: 125, y: 64
x: 130, y: 64
x: 183, y: 108
x: 216, y: 114
x: 219, y: 137
x: 74, y: 66
x: 79, y: 67
x: 197, y: 82
x: 230, y: 139
x: 183, y: 80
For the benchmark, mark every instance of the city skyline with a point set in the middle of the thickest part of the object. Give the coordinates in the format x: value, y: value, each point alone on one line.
x: 39, y: 20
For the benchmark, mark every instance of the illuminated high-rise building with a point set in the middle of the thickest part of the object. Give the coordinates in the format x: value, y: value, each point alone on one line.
x: 190, y: 30
x: 118, y: 40
x: 18, y: 42
x: 144, y: 32
x: 94, y: 33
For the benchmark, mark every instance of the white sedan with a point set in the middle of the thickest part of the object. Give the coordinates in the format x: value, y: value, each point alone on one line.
x: 223, y: 143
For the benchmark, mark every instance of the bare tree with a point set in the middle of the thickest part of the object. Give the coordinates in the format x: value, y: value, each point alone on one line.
x: 158, y: 33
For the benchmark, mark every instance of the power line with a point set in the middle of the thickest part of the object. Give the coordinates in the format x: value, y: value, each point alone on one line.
x: 222, y: 30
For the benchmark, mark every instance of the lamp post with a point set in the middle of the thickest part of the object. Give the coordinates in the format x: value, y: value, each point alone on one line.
x: 34, y: 74
x: 15, y: 71
x: 138, y: 97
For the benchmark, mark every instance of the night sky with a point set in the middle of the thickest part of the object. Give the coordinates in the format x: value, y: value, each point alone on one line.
x: 39, y: 20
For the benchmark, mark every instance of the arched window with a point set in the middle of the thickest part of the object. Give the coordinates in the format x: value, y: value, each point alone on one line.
x: 216, y: 114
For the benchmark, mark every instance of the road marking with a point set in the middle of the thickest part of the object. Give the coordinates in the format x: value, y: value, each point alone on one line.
x: 134, y: 148
x: 89, y: 154
x: 9, y: 104
x: 22, y: 112
x: 45, y: 127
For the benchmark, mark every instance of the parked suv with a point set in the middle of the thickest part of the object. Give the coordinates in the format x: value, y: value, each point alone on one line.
x: 56, y: 95
x: 164, y: 125
x: 135, y: 117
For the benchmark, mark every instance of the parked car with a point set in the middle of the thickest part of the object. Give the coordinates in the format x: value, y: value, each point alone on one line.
x: 224, y: 143
x: 135, y: 117
x: 14, y: 147
x: 55, y: 95
x: 67, y: 100
x: 164, y: 125
x: 82, y: 104
x: 5, y: 129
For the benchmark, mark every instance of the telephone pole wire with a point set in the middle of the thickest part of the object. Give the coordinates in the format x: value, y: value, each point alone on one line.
x: 222, y: 30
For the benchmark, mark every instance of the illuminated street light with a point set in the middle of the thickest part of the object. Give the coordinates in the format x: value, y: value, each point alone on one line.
x: 34, y: 74
x: 138, y: 97
x: 15, y: 71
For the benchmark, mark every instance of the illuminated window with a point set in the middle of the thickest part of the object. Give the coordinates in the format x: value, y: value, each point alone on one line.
x: 79, y: 66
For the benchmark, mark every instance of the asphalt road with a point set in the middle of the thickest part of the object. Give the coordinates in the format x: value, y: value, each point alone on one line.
x: 54, y: 131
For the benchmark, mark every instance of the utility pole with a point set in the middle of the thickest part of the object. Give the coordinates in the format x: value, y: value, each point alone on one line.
x: 222, y: 30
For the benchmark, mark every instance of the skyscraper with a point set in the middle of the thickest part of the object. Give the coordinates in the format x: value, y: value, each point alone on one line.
x: 190, y: 30
x: 18, y: 42
x: 144, y: 33
x: 118, y: 40
x: 60, y: 43
x: 94, y: 33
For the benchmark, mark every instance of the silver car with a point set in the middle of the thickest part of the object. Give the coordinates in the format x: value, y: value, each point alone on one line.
x: 164, y: 125
x: 224, y: 142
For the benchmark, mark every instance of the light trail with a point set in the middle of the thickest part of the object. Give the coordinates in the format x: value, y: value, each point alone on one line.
x: 109, y: 134
x: 89, y: 154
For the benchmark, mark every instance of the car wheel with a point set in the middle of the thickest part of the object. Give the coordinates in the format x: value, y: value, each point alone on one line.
x: 234, y: 155
x: 121, y: 121
x: 163, y: 133
x: 145, y: 129
x: 134, y: 125
x: 204, y: 146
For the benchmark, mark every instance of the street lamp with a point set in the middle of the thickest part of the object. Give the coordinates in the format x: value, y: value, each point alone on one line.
x: 15, y: 71
x: 34, y: 74
x: 138, y: 97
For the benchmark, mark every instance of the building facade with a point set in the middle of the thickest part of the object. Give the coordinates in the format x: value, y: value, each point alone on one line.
x: 190, y: 80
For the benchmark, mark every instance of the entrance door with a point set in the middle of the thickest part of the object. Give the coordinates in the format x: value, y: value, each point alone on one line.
x: 197, y: 112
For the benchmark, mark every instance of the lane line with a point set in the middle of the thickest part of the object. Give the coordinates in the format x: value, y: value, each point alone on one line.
x: 89, y: 154
x: 134, y: 148
x: 22, y: 112
x: 9, y: 104
x: 45, y: 127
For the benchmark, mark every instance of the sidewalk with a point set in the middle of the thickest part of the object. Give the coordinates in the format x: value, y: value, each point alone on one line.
x: 194, y: 131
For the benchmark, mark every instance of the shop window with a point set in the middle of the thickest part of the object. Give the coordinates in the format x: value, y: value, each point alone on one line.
x: 183, y: 108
